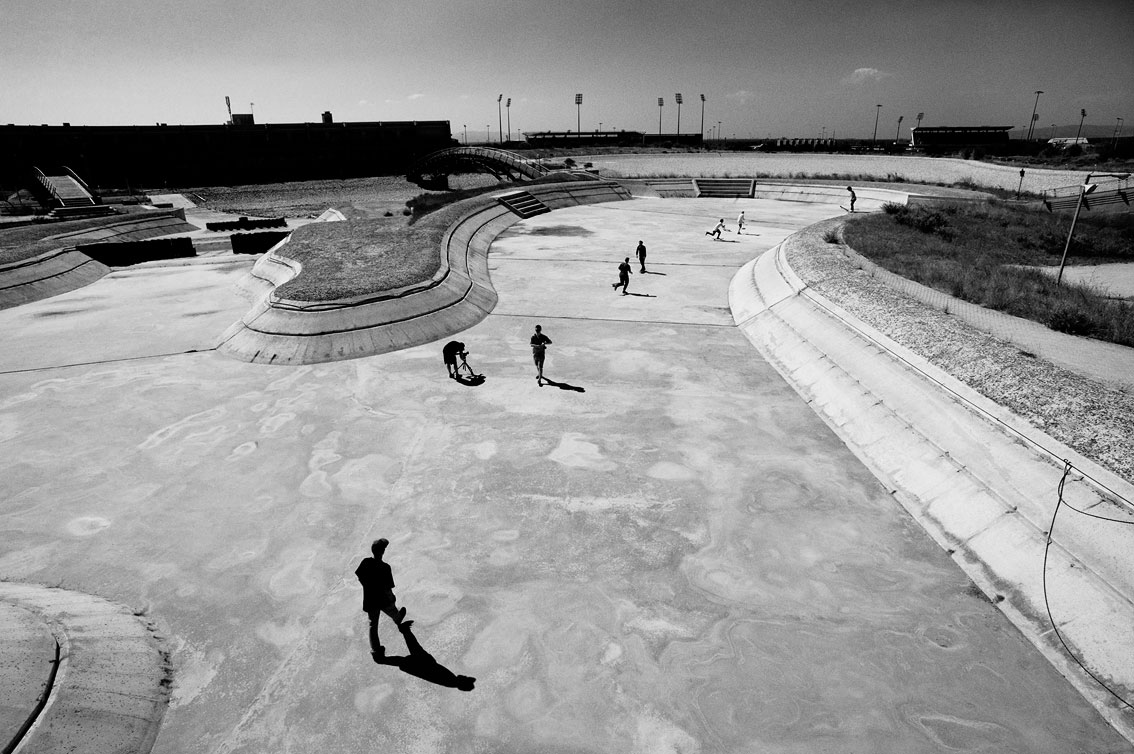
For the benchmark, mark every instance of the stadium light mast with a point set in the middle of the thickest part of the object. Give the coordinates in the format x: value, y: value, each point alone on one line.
x: 678, y: 98
x: 702, y: 121
x: 1033, y: 121
x: 1082, y: 117
x: 1117, y: 132
x: 919, y: 117
x: 899, y: 131
x: 508, y: 107
x: 499, y: 120
x: 877, y: 112
x: 578, y: 113
x: 661, y: 104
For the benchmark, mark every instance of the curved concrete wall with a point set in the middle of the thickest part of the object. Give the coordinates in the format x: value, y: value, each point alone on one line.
x: 979, y: 479
x: 65, y: 269
x: 460, y: 294
x: 47, y: 275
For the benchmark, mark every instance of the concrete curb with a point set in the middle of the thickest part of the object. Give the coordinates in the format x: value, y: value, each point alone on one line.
x: 980, y: 480
x: 460, y: 294
x: 111, y: 687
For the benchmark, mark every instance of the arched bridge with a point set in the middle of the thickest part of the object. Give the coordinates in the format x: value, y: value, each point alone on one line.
x: 433, y: 169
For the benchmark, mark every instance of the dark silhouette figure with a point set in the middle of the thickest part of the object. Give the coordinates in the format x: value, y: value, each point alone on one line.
x: 740, y: 223
x: 422, y: 664
x: 378, y: 591
x: 852, y: 198
x: 716, y: 232
x: 624, y: 273
x: 540, y: 342
x: 449, y: 353
x: 641, y: 252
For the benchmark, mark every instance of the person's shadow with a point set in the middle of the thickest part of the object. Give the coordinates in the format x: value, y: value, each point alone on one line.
x: 422, y: 664
x: 643, y: 295
x: 651, y: 272
x: 564, y: 385
x: 476, y: 379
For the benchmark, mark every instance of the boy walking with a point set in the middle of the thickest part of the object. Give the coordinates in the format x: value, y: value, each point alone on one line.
x: 378, y: 593
x: 540, y: 342
x: 641, y: 252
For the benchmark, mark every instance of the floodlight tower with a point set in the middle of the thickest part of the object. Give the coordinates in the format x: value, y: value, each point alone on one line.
x: 499, y: 119
x: 899, y: 131
x: 678, y: 98
x: 508, y: 107
x: 1082, y: 117
x: 919, y: 117
x: 578, y: 113
x: 661, y: 104
x: 877, y: 112
x: 1033, y: 121
x: 1117, y: 132
x: 702, y: 121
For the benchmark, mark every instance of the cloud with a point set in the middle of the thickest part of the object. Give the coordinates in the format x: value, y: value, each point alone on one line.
x: 742, y: 96
x: 863, y: 75
x: 415, y: 96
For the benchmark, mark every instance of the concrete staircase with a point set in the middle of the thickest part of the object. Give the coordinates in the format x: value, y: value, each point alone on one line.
x: 70, y: 196
x: 523, y: 204
x: 724, y: 188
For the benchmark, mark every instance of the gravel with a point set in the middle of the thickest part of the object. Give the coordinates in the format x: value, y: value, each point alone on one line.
x: 1096, y: 420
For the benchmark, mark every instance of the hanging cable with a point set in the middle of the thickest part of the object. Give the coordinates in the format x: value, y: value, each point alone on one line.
x: 1067, y: 466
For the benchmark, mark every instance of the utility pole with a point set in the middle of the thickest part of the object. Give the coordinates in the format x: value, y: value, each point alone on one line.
x: 1033, y: 121
x: 678, y: 98
x: 877, y: 112
x: 702, y: 121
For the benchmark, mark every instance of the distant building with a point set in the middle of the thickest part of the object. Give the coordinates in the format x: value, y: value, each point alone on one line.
x: 240, y: 152
x: 941, y: 138
x: 1062, y: 142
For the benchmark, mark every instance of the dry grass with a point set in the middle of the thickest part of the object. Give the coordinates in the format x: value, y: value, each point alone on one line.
x: 972, y: 253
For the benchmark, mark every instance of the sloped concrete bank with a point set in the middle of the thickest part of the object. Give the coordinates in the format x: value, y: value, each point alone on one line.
x: 111, y: 682
x: 983, y: 482
x: 460, y: 294
x: 64, y: 269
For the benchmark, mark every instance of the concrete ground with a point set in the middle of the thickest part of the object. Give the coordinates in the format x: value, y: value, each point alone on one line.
x: 664, y: 550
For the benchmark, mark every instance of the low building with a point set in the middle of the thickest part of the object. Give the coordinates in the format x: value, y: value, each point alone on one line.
x: 947, y: 138
x: 231, y: 153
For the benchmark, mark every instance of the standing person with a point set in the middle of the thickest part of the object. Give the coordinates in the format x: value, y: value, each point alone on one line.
x: 624, y: 272
x: 740, y: 223
x: 716, y: 232
x: 641, y: 252
x: 378, y: 592
x: 449, y: 353
x: 540, y: 342
x: 852, y: 198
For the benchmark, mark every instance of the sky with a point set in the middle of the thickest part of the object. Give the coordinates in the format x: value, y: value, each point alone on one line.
x: 767, y: 68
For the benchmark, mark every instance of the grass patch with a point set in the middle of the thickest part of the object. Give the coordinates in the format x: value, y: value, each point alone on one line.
x: 971, y: 252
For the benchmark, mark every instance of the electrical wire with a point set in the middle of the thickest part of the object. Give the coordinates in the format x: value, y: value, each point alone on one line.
x: 1067, y: 466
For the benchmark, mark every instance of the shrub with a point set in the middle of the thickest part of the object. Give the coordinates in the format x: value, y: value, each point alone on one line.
x: 831, y: 235
x: 893, y: 208
x: 1070, y: 319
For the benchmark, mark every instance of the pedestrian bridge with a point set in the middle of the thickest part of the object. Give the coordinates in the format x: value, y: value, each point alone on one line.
x: 431, y: 171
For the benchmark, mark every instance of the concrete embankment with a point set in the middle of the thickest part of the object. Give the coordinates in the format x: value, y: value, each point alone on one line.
x: 984, y: 483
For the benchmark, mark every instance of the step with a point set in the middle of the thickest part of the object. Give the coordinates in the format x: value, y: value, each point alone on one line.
x: 724, y: 187
x: 523, y: 204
